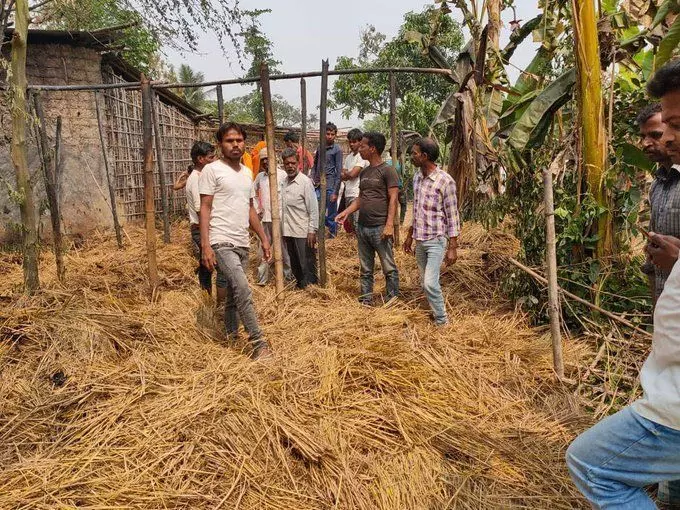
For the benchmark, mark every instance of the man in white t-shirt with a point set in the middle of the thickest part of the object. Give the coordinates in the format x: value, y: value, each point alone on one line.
x: 351, y: 169
x: 227, y: 211
x: 612, y: 462
x: 263, y: 205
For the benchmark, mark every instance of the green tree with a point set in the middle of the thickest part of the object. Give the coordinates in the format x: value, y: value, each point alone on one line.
x: 419, y: 96
x: 193, y: 95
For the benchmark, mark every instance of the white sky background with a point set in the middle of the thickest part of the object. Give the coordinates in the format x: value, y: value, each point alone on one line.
x: 304, y: 32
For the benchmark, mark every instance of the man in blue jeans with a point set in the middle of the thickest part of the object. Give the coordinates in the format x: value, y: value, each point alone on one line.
x: 333, y: 177
x: 227, y: 210
x: 612, y: 462
x: 377, y: 205
x: 436, y: 223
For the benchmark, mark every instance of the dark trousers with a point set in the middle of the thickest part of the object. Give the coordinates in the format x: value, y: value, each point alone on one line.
x: 204, y: 274
x: 302, y: 261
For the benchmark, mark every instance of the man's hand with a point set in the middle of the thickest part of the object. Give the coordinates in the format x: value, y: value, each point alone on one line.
x: 388, y: 232
x: 341, y: 217
x: 663, y: 250
x: 208, y: 258
x: 311, y: 239
x: 451, y: 256
x: 266, y: 251
x: 334, y: 198
x: 408, y: 245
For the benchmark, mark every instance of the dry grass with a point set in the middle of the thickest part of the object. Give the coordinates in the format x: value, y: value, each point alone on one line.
x: 110, y: 401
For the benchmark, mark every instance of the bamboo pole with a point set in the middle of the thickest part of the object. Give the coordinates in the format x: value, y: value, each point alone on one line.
x: 303, y: 134
x: 323, y: 274
x: 220, y: 105
x: 161, y: 169
x: 393, y: 148
x: 551, y: 266
x: 112, y: 192
x: 149, y: 206
x: 19, y: 152
x: 50, y: 176
x: 273, y: 178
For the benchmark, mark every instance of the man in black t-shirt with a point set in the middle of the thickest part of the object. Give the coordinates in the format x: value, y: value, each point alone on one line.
x: 377, y: 205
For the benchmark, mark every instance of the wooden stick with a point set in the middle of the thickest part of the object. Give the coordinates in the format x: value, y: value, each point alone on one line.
x: 149, y: 206
x: 303, y: 134
x: 323, y: 275
x: 273, y: 177
x: 161, y: 168
x: 551, y: 271
x: 568, y: 294
x: 393, y: 148
x: 50, y: 176
x: 112, y: 192
x: 220, y: 105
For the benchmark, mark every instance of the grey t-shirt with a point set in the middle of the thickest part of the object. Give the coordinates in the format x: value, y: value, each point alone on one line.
x: 373, y: 186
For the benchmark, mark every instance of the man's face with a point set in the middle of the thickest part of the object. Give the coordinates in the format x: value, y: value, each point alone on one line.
x: 365, y: 150
x: 264, y: 164
x: 233, y: 145
x: 330, y: 136
x: 650, y: 133
x: 354, y: 145
x: 670, y: 116
x: 290, y: 165
x: 289, y: 144
x: 205, y: 160
x: 417, y: 157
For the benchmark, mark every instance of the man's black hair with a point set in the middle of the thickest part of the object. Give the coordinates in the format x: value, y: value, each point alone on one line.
x: 376, y: 140
x: 230, y: 126
x: 665, y: 80
x: 428, y: 147
x: 331, y: 127
x: 291, y: 136
x: 354, y: 135
x: 647, y: 113
x: 201, y: 149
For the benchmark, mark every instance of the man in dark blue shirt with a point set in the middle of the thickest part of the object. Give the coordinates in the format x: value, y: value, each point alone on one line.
x: 333, y: 177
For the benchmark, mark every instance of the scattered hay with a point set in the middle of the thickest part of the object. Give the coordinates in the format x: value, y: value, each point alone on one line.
x: 110, y: 401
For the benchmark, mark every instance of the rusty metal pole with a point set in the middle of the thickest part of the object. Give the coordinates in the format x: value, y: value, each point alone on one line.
x: 273, y: 177
x: 323, y: 274
x: 393, y: 148
x: 303, y: 134
x: 161, y: 168
x: 149, y: 203
x: 220, y: 105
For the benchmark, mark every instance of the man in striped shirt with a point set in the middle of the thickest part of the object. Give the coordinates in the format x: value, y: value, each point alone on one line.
x: 436, y: 223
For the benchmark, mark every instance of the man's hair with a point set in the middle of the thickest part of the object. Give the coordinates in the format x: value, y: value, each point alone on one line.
x: 665, y: 80
x: 331, y: 127
x: 288, y: 152
x: 230, y: 126
x: 291, y: 136
x: 376, y: 140
x: 428, y: 147
x: 354, y: 135
x: 201, y: 149
x: 647, y: 113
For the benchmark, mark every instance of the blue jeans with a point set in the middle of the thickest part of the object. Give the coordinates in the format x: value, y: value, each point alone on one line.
x: 370, y: 243
x: 613, y: 461
x: 429, y: 257
x: 233, y: 262
x: 331, y: 211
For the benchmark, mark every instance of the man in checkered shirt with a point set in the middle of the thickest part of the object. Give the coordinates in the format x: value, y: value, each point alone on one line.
x: 436, y: 223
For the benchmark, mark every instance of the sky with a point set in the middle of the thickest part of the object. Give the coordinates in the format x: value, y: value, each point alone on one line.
x: 304, y: 32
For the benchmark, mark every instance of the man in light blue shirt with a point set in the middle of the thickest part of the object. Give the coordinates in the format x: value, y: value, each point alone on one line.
x: 333, y: 177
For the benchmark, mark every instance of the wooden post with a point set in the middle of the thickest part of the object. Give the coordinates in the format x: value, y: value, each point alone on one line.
x: 323, y: 274
x: 273, y: 177
x: 303, y: 134
x: 19, y: 153
x: 161, y: 169
x: 220, y: 105
x: 149, y: 206
x: 105, y: 154
x: 50, y: 176
x: 551, y: 266
x: 393, y: 148
x: 402, y: 162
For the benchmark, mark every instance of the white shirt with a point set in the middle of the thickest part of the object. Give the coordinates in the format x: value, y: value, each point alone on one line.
x: 300, y: 208
x: 261, y: 195
x: 352, y: 185
x: 660, y: 375
x: 231, y: 191
x: 193, y: 196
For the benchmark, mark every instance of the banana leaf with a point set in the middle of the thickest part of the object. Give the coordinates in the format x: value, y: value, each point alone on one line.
x: 668, y: 44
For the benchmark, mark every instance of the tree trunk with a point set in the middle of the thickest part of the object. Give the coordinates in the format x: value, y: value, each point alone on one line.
x: 17, y: 83
x: 592, y: 115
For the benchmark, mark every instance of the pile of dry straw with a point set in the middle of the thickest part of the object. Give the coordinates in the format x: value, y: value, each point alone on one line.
x: 110, y: 401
